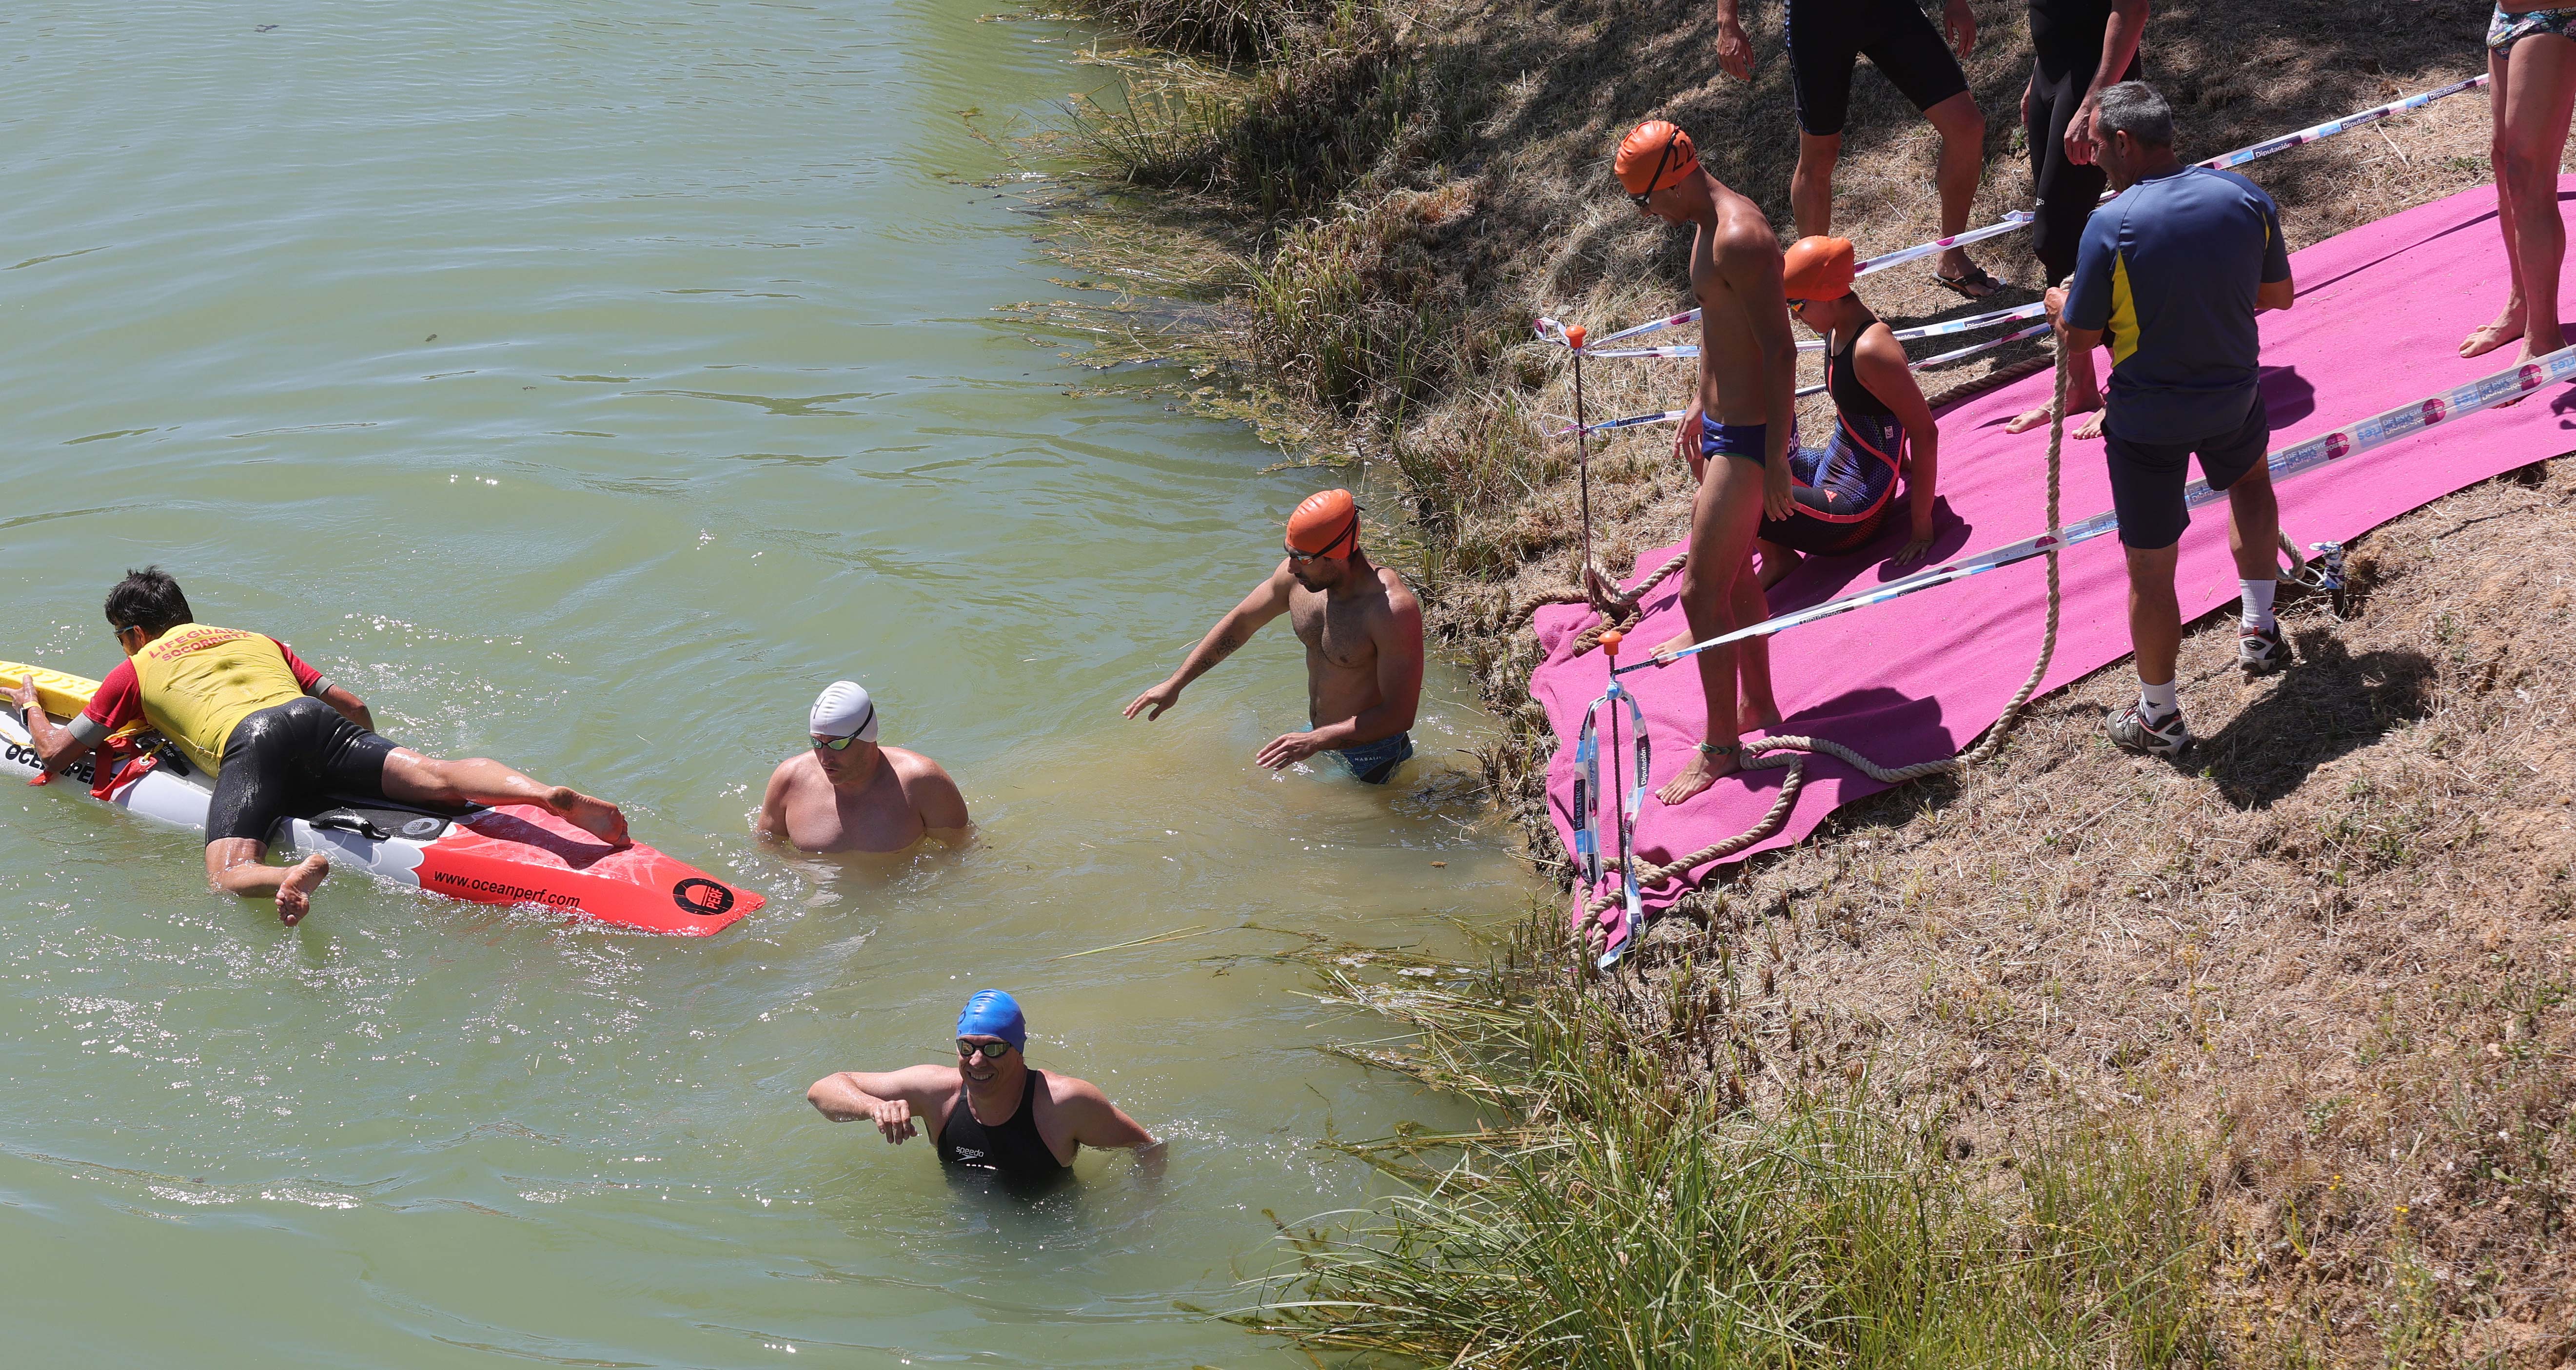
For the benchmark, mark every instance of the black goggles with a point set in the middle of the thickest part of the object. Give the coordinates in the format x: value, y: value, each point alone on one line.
x: 990, y: 1051
x: 1662, y: 159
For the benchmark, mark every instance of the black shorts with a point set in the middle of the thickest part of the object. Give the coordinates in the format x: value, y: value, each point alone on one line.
x: 1827, y: 36
x: 2065, y: 191
x: 2147, y: 478
x: 288, y: 754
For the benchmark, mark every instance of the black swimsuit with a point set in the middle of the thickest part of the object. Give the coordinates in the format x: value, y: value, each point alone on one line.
x: 1012, y: 1147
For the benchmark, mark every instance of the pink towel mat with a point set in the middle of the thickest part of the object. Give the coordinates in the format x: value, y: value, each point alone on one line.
x: 2380, y: 314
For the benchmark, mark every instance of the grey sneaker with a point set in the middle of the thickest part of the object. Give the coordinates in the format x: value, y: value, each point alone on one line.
x: 2133, y: 729
x: 2260, y: 651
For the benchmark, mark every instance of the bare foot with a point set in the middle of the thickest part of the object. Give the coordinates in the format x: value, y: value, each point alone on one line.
x: 2038, y: 418
x: 2088, y: 430
x: 295, y: 892
x: 2506, y: 328
x: 1698, y: 773
x: 1680, y: 640
x: 1758, y: 719
x: 595, y: 816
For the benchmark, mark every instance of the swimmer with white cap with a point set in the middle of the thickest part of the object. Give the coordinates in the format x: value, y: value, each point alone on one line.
x: 846, y: 792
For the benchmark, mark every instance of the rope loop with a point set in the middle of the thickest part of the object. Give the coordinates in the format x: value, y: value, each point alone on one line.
x: 1790, y: 753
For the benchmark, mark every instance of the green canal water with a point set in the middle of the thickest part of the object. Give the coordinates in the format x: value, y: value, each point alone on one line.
x: 586, y: 384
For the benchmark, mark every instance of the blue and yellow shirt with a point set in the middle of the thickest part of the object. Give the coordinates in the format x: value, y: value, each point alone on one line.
x: 2168, y: 272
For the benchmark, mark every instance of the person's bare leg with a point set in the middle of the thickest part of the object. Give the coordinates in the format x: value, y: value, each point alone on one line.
x: 233, y: 866
x: 2508, y: 324
x: 1811, y: 186
x: 2535, y: 138
x: 1761, y: 708
x: 2083, y: 396
x: 2254, y: 526
x: 1723, y: 520
x: 2155, y: 615
x: 1962, y: 127
x: 416, y: 779
x: 1777, y: 563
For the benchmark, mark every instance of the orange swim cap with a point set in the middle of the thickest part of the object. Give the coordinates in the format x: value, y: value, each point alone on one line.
x: 1819, y: 269
x: 1326, y: 524
x: 1655, y: 154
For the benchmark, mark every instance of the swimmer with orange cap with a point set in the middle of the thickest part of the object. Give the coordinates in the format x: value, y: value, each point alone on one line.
x: 1363, y: 633
x: 1882, y: 427
x: 1735, y: 433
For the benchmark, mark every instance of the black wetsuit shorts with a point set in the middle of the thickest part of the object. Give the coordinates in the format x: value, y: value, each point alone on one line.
x: 290, y: 754
x: 1826, y: 37
x: 2065, y: 190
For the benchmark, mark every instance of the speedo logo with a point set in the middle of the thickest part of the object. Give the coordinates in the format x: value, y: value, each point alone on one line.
x: 516, y: 894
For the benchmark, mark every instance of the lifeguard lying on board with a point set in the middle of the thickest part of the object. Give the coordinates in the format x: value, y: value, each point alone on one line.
x: 270, y: 731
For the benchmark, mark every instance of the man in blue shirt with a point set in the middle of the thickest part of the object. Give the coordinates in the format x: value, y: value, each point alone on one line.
x: 2169, y: 275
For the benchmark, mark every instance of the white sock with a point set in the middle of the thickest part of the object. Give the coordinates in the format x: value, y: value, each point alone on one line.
x: 2258, y: 602
x: 2159, y: 700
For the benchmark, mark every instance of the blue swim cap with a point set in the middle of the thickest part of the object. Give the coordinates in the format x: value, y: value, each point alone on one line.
x: 991, y: 1013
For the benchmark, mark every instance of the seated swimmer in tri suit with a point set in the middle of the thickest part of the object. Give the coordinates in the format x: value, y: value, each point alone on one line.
x: 271, y: 733
x: 1882, y: 427
x: 849, y: 793
x: 989, y: 1111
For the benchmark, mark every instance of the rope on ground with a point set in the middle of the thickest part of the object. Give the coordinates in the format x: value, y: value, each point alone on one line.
x: 1790, y: 753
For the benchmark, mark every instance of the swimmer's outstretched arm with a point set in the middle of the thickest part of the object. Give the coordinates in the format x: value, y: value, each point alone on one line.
x: 892, y: 1100
x: 56, y: 747
x: 1232, y: 631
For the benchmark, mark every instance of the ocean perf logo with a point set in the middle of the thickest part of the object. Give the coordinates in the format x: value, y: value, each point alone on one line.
x: 2338, y: 446
x: 495, y: 892
x: 703, y: 897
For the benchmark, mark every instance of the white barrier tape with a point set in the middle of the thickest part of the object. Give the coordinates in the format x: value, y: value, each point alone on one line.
x: 2297, y: 459
x: 1943, y: 359
x: 2020, y: 219
x: 1970, y: 324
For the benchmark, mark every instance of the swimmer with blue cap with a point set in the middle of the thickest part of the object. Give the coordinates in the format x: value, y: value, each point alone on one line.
x: 989, y: 1111
x: 849, y: 793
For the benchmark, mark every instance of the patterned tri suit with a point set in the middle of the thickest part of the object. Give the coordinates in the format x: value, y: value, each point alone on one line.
x: 1844, y: 488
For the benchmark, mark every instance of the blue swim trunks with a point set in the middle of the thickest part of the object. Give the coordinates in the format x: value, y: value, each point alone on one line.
x: 1747, y: 440
x: 1375, y: 762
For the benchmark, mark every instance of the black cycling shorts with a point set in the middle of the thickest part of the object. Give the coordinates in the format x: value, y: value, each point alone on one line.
x: 2066, y: 191
x: 2148, y: 478
x: 288, y: 754
x: 1826, y: 37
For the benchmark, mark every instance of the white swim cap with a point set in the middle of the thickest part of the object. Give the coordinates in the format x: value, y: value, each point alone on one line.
x: 843, y: 709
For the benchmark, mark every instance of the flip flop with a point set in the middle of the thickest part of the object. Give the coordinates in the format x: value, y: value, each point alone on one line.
x: 1976, y: 285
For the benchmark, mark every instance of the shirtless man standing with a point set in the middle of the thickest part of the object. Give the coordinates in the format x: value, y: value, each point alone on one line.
x: 1735, y: 433
x: 848, y: 793
x: 1363, y: 634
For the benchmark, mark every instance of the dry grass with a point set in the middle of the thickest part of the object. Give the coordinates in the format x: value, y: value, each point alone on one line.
x: 2335, y: 948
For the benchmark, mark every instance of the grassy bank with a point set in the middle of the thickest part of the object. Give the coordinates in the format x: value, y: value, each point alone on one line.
x: 2327, y: 974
